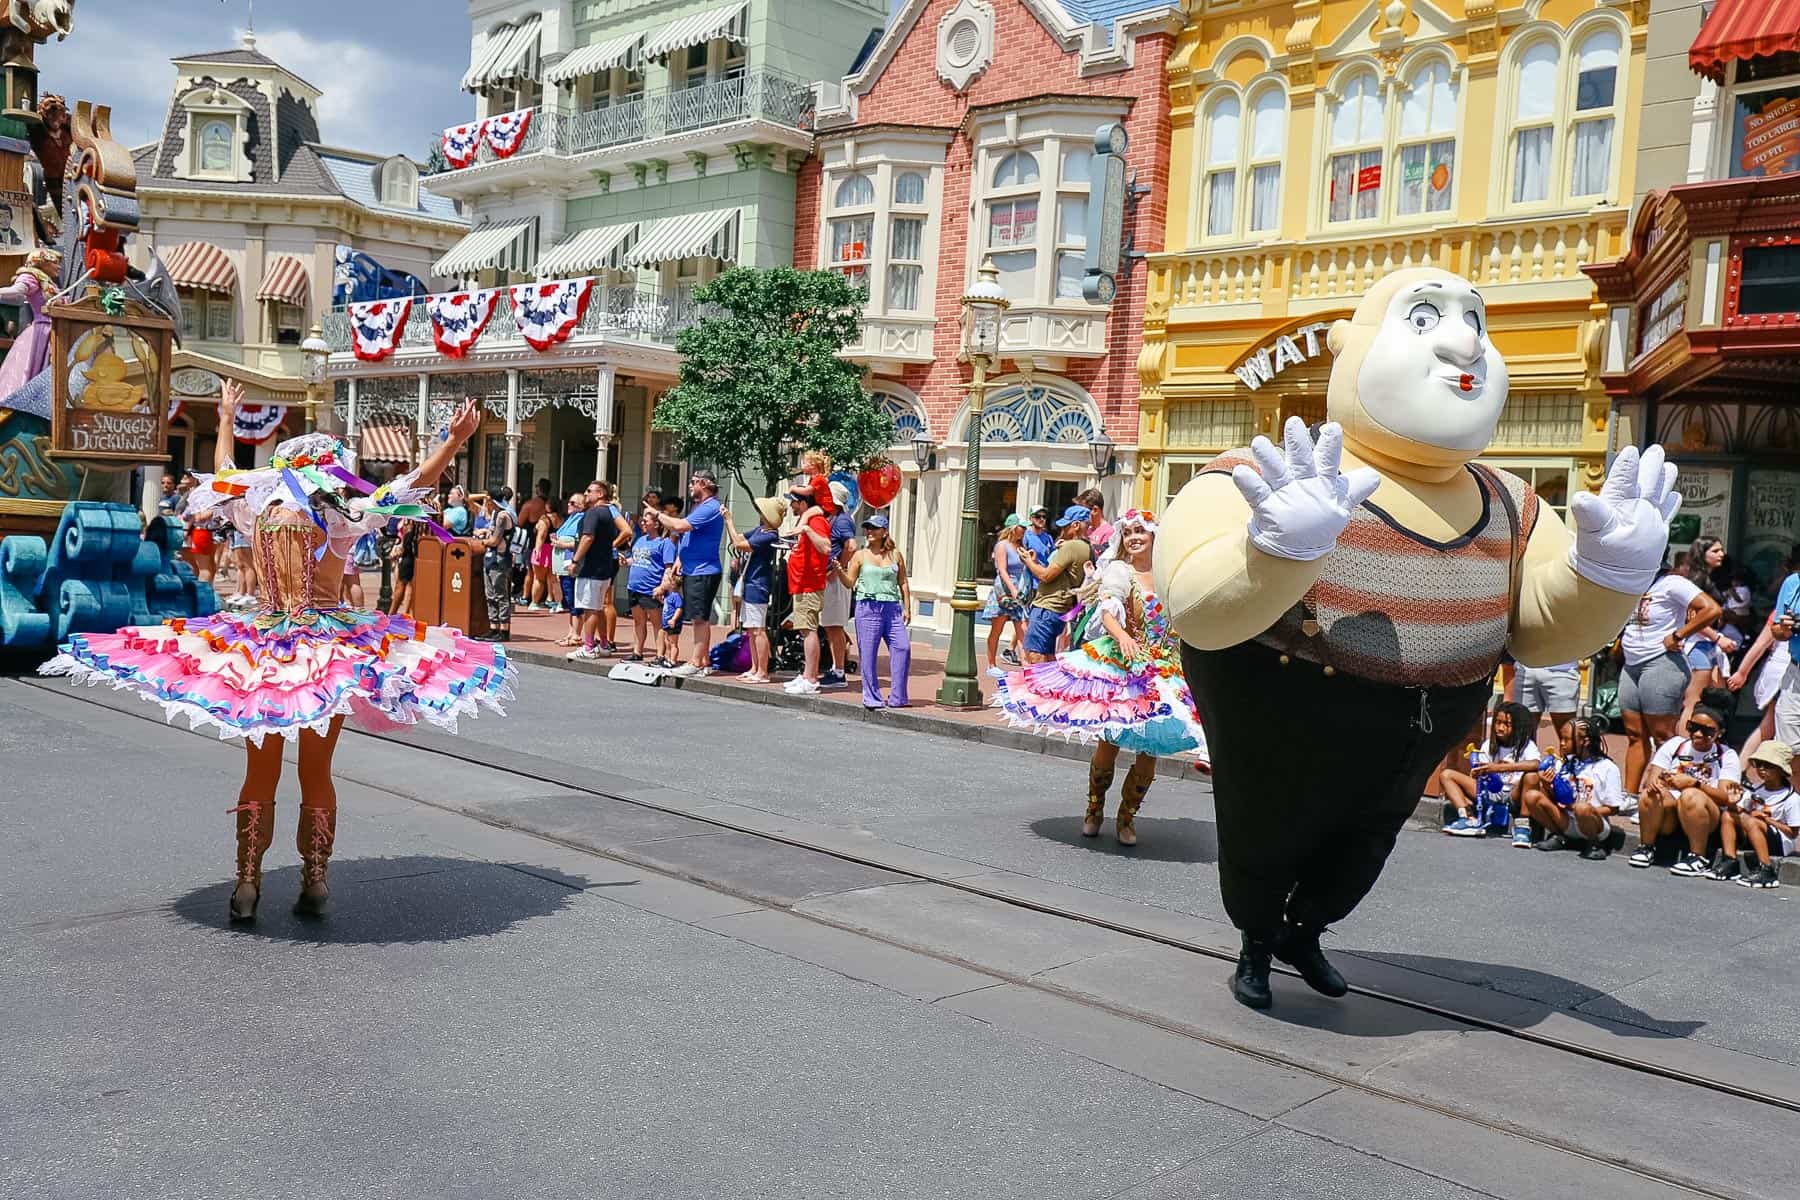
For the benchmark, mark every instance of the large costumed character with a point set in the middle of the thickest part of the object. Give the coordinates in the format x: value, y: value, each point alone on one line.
x: 1343, y: 604
x: 300, y: 665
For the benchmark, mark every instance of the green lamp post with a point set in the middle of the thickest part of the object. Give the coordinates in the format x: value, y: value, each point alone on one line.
x: 983, y: 306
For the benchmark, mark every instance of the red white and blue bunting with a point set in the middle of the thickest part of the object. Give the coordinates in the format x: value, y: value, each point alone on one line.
x: 462, y: 141
x: 547, y: 313
x: 459, y: 319
x: 506, y: 132
x: 375, y: 327
x: 257, y: 423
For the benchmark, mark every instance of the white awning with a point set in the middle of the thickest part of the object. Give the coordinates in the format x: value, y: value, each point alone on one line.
x: 594, y: 59
x: 509, y: 55
x: 479, y: 249
x: 697, y: 235
x: 588, y: 250
x: 697, y: 30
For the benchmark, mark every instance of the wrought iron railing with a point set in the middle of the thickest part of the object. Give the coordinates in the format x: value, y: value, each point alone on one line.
x: 652, y: 316
x: 755, y: 95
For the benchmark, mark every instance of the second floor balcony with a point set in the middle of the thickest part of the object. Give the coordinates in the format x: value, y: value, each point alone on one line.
x: 758, y: 106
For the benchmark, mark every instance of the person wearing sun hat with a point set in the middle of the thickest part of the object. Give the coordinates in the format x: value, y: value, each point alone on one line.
x: 758, y: 580
x: 1057, y: 581
x: 1767, y: 819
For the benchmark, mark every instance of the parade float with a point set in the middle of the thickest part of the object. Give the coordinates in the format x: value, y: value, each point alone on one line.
x: 84, y: 385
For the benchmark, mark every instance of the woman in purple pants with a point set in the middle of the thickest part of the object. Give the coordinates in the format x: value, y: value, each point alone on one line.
x: 876, y: 577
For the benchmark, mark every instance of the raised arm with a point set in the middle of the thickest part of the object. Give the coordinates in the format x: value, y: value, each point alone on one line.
x: 462, y: 427
x: 231, y: 398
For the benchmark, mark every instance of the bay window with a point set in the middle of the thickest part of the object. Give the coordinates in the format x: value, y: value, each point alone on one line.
x: 1073, y: 181
x: 1596, y: 94
x: 906, y: 243
x: 852, y: 228
x: 1012, y: 220
x: 1427, y: 143
x: 1358, y: 129
x: 878, y: 223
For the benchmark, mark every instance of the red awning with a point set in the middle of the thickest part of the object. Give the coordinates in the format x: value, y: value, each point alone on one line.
x: 387, y: 443
x: 284, y: 279
x: 1744, y: 29
x: 201, y: 265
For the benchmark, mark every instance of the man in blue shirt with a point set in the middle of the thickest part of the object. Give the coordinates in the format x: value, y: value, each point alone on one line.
x: 1038, y: 538
x: 701, y: 532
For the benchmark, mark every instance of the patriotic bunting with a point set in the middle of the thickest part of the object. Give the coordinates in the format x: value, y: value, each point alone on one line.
x: 256, y: 423
x: 462, y: 141
x: 458, y: 319
x: 375, y: 327
x: 506, y: 132
x: 547, y: 313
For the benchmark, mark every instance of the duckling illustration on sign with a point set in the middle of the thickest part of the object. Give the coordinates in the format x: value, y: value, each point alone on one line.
x: 97, y: 375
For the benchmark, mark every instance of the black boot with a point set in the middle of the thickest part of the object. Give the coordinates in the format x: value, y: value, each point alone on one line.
x: 1250, y: 983
x: 1299, y: 949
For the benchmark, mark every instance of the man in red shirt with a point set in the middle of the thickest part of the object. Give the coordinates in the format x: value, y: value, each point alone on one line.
x: 807, y: 566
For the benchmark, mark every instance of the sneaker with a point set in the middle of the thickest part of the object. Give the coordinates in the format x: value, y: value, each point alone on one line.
x: 1723, y: 868
x: 1010, y: 658
x: 1465, y: 827
x: 1596, y: 852
x: 1690, y: 865
x: 584, y: 654
x: 1764, y: 876
x: 1521, y: 837
x: 800, y: 686
x: 833, y: 680
x: 996, y: 673
x: 1552, y: 844
x: 687, y: 670
x: 1643, y: 856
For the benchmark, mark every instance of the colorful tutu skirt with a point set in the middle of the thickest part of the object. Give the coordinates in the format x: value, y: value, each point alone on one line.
x: 1094, y: 694
x: 250, y: 675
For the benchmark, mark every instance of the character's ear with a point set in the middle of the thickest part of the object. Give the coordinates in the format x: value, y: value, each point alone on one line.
x: 1338, y: 337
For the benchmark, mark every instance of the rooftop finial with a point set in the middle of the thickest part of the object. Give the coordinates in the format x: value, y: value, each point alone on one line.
x: 250, y: 28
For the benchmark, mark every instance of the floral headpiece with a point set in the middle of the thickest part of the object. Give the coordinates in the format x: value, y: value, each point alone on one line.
x: 1131, y: 518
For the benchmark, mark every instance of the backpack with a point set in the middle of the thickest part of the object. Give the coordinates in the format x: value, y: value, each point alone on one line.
x: 365, y: 554
x: 731, y: 654
x: 519, y: 545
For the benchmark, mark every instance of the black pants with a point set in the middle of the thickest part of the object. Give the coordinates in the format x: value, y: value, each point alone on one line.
x: 1313, y: 776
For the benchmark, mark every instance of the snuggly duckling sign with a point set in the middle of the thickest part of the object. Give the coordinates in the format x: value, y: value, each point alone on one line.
x: 112, y: 384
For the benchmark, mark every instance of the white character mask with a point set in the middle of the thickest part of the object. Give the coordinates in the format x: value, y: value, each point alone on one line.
x: 1432, y: 375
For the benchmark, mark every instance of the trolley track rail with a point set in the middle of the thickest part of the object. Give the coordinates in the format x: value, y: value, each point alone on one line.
x: 568, y: 777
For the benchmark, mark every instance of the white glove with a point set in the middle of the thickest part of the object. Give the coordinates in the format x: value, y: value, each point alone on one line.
x: 1620, y: 534
x: 1300, y: 504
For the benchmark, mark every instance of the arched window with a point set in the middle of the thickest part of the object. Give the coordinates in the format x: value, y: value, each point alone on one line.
x: 909, y: 188
x: 1533, y: 135
x: 1596, y: 95
x: 1012, y: 221
x: 852, y: 228
x: 1358, y: 129
x: 215, y: 146
x: 1224, y: 120
x: 1268, y: 141
x: 1427, y: 143
x: 400, y: 184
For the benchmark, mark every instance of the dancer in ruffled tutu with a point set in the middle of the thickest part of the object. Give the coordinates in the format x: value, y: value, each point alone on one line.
x: 1122, y: 690
x: 301, y: 662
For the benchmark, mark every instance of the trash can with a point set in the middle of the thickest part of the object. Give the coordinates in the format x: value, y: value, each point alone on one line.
x: 447, y: 585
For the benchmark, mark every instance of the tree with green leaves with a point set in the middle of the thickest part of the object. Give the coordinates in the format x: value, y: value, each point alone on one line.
x: 435, y: 161
x: 761, y: 376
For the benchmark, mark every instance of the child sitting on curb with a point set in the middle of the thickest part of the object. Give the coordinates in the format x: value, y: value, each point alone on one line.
x: 1574, y: 797
x: 1494, y: 772
x: 1768, y: 818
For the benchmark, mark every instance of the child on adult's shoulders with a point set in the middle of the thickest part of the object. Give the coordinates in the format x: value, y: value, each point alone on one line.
x: 1573, y: 796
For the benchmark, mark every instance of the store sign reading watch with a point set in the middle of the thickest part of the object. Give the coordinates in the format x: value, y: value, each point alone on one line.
x: 1266, y: 362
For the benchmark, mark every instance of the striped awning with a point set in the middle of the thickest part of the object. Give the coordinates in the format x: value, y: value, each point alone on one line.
x: 697, y: 235
x: 284, y: 280
x: 509, y: 55
x: 479, y: 249
x: 697, y: 30
x: 201, y: 265
x: 593, y: 59
x: 387, y: 443
x: 589, y: 250
x: 1739, y: 29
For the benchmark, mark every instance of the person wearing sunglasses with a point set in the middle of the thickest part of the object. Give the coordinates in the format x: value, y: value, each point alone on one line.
x: 1691, y: 781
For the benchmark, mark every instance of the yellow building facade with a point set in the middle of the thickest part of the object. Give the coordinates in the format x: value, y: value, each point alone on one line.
x: 1319, y: 144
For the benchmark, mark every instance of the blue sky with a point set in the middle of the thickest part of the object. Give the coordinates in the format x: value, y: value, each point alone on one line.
x: 389, y: 68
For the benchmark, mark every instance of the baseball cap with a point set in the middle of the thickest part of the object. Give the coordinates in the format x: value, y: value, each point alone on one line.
x: 875, y: 521
x: 1040, y: 510
x: 1013, y: 521
x: 1074, y: 513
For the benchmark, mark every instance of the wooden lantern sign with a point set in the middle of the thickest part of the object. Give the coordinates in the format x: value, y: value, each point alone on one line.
x: 111, y: 377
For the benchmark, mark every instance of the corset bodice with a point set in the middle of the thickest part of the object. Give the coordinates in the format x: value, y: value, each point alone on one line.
x: 293, y: 576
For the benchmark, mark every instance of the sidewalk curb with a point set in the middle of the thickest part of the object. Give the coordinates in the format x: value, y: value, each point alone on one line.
x: 913, y: 722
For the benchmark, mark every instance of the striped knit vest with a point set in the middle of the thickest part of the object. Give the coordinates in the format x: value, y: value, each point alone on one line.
x: 1395, y: 607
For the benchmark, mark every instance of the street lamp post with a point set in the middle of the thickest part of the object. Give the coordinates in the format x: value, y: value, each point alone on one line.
x: 315, y: 351
x: 982, y: 309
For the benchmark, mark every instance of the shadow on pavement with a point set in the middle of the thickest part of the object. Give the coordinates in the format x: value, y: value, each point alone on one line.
x: 408, y: 899
x: 1160, y: 839
x: 1553, y: 991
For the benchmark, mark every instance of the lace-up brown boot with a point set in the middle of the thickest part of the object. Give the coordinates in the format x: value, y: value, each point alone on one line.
x: 314, y: 838
x: 255, y: 831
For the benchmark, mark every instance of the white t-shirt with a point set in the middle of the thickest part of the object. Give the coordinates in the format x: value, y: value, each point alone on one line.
x: 1718, y: 765
x: 1526, y: 753
x: 1601, y: 784
x: 1782, y: 805
x: 1660, y: 611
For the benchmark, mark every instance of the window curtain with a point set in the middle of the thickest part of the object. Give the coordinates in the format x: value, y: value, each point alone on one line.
x: 1221, y: 203
x: 1593, y: 158
x: 1343, y: 187
x: 1265, y: 198
x: 1531, y: 165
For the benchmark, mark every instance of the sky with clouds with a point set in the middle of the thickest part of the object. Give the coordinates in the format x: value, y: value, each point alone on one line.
x: 389, y: 69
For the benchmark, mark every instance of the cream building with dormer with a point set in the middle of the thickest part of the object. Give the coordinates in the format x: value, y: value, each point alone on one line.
x: 246, y: 207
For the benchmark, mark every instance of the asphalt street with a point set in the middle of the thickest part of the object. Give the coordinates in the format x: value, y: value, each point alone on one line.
x: 1683, y: 957
x: 488, y: 1014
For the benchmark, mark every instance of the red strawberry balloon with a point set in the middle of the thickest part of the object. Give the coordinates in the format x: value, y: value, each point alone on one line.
x: 880, y: 483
